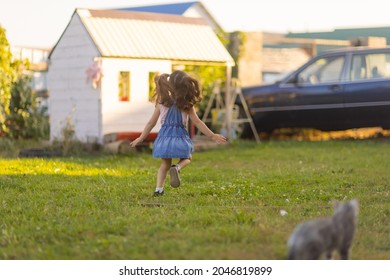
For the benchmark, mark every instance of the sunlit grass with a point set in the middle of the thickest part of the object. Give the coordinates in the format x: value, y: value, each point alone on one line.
x: 228, y: 206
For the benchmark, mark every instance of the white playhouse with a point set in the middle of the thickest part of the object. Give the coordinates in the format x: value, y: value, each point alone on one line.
x: 101, y: 70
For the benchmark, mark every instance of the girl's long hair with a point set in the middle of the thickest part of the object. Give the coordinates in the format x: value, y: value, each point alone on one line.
x: 163, y: 90
x: 178, y: 88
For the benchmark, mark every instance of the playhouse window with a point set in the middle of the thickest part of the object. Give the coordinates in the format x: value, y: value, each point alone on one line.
x: 152, y: 85
x: 124, y: 86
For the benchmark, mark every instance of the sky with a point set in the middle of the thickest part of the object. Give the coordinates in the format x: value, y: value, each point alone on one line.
x: 40, y: 23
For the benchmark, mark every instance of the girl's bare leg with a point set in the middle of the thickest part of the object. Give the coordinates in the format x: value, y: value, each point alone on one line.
x: 183, y: 162
x: 163, y: 171
x: 174, y: 171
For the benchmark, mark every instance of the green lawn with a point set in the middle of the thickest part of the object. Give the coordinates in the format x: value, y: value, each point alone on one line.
x: 228, y: 206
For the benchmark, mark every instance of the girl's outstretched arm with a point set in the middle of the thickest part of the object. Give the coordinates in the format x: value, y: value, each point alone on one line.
x: 218, y: 138
x: 148, y: 127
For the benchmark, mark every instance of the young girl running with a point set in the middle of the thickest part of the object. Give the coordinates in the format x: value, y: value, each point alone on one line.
x: 175, y: 95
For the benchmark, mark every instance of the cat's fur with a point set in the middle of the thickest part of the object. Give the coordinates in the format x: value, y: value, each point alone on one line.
x: 317, y: 239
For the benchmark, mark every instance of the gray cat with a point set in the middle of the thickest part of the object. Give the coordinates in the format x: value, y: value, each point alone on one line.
x: 319, y: 238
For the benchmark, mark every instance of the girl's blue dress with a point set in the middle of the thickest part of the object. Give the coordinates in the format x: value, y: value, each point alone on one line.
x: 173, y: 140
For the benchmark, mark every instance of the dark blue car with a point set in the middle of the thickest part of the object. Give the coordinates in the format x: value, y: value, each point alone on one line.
x: 336, y: 90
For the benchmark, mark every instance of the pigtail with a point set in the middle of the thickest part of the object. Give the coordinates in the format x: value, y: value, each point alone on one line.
x: 163, y: 90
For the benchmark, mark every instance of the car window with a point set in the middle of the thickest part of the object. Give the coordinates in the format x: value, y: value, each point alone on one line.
x: 322, y: 70
x: 370, y: 66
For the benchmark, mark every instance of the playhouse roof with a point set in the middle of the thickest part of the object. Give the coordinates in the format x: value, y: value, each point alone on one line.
x: 183, y: 9
x: 126, y: 34
x: 174, y: 8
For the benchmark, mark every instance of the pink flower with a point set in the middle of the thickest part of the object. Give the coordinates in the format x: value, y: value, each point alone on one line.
x: 94, y: 74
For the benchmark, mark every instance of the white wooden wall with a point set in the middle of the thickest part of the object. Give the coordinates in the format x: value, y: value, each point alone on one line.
x: 132, y: 116
x: 96, y: 112
x: 70, y: 94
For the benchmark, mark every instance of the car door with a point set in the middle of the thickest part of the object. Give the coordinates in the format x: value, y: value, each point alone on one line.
x: 367, y: 92
x: 315, y: 94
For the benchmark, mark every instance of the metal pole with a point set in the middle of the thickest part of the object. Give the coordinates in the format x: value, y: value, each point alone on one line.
x: 228, y: 101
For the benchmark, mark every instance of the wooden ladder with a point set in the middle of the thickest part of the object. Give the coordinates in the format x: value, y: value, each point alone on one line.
x: 220, y: 106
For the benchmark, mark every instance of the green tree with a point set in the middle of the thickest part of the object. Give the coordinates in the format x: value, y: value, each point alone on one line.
x: 235, y: 47
x: 25, y: 119
x: 7, y: 77
x: 20, y: 114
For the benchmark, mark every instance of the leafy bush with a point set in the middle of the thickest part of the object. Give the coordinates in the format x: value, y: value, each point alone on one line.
x: 20, y: 115
x: 26, y: 119
x: 7, y: 148
x: 7, y: 76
